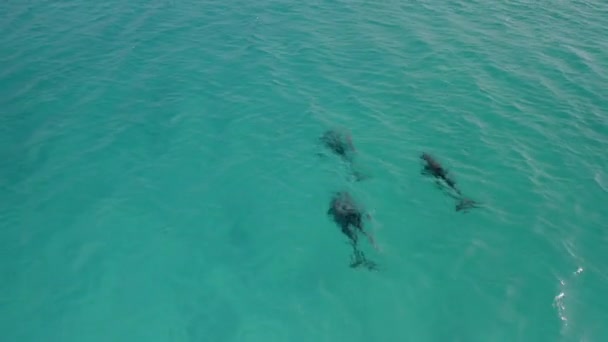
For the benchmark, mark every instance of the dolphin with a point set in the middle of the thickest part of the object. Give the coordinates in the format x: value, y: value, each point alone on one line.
x: 433, y: 168
x: 349, y: 217
x: 341, y: 144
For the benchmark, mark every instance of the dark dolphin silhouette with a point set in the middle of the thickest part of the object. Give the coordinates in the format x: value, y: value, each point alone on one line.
x: 341, y: 144
x: 433, y: 168
x: 349, y: 217
x: 346, y: 215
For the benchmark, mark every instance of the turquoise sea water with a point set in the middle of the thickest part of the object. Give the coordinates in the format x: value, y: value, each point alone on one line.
x: 160, y: 177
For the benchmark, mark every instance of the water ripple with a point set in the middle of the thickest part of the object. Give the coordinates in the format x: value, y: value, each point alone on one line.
x: 159, y: 162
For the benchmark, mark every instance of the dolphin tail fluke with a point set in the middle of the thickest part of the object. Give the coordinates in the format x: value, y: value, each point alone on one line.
x: 358, y: 259
x: 464, y: 204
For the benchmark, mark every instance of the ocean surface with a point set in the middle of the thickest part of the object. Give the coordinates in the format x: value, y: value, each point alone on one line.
x: 162, y: 177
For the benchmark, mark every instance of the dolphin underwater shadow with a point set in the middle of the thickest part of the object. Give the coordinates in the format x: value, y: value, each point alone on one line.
x: 341, y: 144
x: 434, y: 169
x: 349, y: 217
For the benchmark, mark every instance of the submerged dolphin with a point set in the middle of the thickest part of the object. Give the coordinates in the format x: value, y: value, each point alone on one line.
x: 349, y: 217
x: 433, y: 168
x: 346, y: 215
x: 341, y: 144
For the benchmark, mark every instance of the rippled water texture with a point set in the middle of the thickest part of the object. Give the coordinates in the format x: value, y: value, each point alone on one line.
x: 161, y: 177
